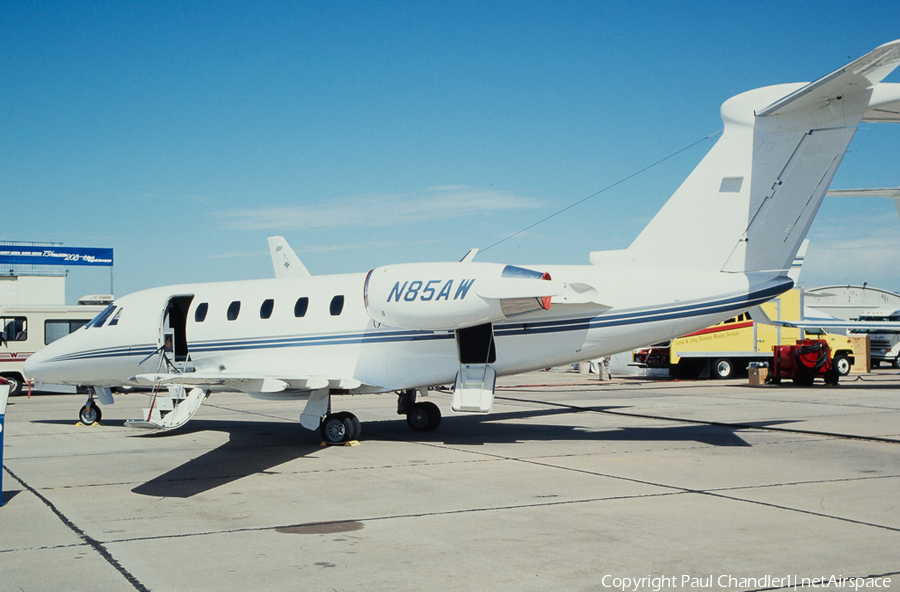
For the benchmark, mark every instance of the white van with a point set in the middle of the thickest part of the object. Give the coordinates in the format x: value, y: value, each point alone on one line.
x: 884, y: 345
x: 24, y: 329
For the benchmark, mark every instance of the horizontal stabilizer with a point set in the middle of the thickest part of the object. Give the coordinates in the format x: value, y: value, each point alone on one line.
x: 857, y: 76
x: 889, y: 193
x: 884, y: 106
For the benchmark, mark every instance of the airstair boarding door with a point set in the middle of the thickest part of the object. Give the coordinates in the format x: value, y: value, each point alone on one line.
x: 474, y: 389
x: 173, y: 336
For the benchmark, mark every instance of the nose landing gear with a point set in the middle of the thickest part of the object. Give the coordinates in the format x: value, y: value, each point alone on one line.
x: 90, y: 413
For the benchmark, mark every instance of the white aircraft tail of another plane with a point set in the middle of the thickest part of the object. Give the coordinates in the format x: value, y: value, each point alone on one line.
x: 284, y: 260
x: 749, y: 203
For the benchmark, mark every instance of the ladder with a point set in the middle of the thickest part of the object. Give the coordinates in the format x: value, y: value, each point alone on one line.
x: 170, y: 410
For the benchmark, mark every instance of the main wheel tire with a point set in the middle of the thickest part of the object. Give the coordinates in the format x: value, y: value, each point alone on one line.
x: 723, y: 368
x: 15, y: 384
x: 89, y: 415
x: 334, y: 429
x: 895, y: 363
x: 354, y: 427
x: 424, y: 416
x: 832, y: 377
x: 841, y: 363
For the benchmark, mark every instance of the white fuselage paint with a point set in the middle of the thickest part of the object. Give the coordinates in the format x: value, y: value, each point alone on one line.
x: 641, y: 307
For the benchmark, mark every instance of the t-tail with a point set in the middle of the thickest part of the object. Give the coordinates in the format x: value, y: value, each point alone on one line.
x: 748, y: 205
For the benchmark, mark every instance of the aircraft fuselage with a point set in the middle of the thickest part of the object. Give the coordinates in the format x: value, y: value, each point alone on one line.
x: 319, y: 326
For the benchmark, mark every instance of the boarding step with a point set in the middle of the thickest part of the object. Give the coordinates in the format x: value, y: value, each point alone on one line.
x: 170, y: 409
x: 474, y: 389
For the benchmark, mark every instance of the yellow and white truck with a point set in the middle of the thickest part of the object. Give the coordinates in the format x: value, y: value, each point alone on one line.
x: 725, y: 350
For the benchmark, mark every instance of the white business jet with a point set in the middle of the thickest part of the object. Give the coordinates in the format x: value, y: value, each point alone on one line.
x: 722, y: 244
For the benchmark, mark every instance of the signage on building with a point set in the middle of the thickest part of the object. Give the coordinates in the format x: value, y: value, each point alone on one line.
x: 36, y: 255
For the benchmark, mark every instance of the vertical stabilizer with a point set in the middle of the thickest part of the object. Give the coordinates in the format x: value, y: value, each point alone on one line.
x: 748, y: 205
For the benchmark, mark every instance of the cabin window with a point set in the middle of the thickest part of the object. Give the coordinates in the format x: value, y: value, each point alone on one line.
x: 115, y: 319
x: 200, y: 313
x: 234, y: 310
x: 301, y: 306
x: 15, y: 328
x: 337, y: 305
x: 265, y: 311
x: 54, y: 330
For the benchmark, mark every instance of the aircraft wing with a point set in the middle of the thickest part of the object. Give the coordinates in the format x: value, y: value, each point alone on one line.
x: 247, y: 383
x: 825, y: 324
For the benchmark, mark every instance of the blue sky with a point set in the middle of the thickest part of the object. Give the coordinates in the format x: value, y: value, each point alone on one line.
x: 183, y: 134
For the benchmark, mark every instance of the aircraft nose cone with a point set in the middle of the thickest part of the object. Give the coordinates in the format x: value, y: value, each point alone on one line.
x: 38, y: 368
x: 34, y: 366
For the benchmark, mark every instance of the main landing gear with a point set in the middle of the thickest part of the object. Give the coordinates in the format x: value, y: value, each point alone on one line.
x: 423, y: 416
x: 340, y: 427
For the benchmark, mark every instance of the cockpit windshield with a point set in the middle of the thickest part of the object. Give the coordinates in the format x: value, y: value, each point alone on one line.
x: 98, y: 320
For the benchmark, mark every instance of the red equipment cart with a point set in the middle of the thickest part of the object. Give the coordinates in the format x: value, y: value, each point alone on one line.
x: 803, y: 362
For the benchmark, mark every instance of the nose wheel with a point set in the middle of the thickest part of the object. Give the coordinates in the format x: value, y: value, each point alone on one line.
x: 90, y: 413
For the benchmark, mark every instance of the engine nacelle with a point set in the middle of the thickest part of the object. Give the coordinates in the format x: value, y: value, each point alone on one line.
x: 446, y: 296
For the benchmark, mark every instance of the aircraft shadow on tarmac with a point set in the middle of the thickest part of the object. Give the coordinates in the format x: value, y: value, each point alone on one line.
x: 251, y: 449
x: 491, y: 429
x: 255, y: 448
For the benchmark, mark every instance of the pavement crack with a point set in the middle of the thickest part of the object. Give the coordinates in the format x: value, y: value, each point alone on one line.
x: 88, y: 539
